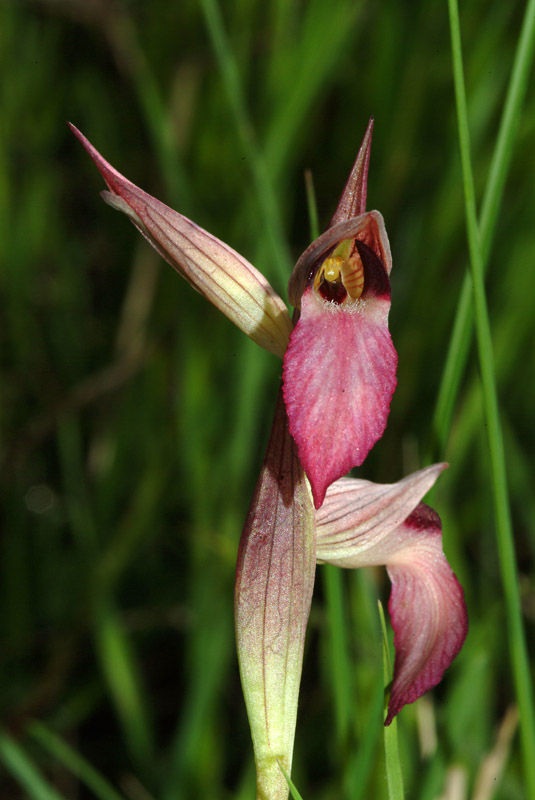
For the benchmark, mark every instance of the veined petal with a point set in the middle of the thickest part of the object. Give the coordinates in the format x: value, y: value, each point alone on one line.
x: 217, y: 271
x: 356, y: 523
x: 353, y: 199
x: 274, y: 583
x: 427, y: 609
x: 426, y: 605
x: 339, y: 377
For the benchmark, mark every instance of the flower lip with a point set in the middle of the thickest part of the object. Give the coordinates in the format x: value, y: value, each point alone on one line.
x: 341, y: 361
x: 339, y: 375
x: 427, y: 610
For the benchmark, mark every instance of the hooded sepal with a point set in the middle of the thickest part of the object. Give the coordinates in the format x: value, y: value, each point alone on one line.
x: 213, y: 268
x: 274, y: 583
x: 352, y: 201
x: 364, y: 524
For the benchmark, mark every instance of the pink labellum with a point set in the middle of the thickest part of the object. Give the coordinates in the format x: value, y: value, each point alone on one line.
x: 339, y: 377
x: 426, y: 607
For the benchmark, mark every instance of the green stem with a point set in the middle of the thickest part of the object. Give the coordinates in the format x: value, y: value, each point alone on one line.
x: 501, y: 159
x: 73, y: 762
x: 312, y: 206
x: 340, y: 664
x: 504, y: 532
x: 394, y: 775
x: 18, y: 764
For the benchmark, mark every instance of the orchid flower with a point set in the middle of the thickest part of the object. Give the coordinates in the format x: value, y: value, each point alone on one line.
x: 338, y: 380
x: 339, y: 362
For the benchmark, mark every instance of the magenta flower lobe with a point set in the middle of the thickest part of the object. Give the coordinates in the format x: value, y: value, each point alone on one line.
x: 340, y: 366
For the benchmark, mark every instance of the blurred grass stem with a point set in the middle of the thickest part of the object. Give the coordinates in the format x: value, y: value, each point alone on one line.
x: 394, y: 775
x: 501, y: 159
x: 518, y: 649
x: 264, y: 188
x: 22, y: 768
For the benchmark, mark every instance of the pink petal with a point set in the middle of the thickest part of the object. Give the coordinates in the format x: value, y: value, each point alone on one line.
x: 339, y: 377
x: 426, y: 607
x: 213, y: 268
x: 357, y: 524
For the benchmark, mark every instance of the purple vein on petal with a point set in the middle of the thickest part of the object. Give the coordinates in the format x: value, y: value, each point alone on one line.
x: 234, y: 285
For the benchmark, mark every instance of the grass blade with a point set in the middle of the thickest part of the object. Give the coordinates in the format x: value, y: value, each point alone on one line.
x: 264, y: 189
x: 73, y: 761
x: 292, y: 787
x: 24, y: 771
x: 120, y: 670
x: 339, y: 667
x: 393, y: 767
x: 312, y: 206
x: 517, y: 642
x: 501, y: 159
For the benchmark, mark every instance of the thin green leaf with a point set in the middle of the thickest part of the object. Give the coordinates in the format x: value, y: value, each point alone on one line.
x: 73, y: 761
x: 339, y: 660
x: 504, y: 533
x: 360, y: 767
x: 266, y: 198
x: 394, y: 774
x: 501, y: 160
x: 24, y: 771
x: 292, y: 787
x: 212, y: 650
x: 312, y: 206
x: 122, y: 675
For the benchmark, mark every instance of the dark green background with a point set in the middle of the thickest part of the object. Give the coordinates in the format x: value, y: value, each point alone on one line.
x: 134, y: 415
